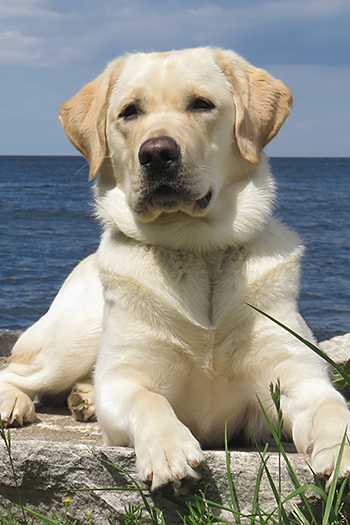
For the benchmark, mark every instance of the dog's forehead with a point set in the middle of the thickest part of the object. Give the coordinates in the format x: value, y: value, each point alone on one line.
x: 174, y: 71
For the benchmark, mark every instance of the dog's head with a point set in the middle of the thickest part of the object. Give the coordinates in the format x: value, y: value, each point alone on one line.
x: 175, y: 130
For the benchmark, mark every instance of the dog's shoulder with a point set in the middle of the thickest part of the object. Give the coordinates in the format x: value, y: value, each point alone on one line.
x: 276, y: 241
x: 273, y: 260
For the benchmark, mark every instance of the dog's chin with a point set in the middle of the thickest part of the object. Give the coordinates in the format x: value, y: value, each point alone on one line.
x: 167, y: 199
x: 170, y: 201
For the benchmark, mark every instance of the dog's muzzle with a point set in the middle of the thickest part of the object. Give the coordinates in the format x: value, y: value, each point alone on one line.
x: 164, y: 186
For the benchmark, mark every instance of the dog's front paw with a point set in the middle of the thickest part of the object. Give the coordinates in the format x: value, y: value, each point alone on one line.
x: 167, y: 454
x: 323, y: 463
x: 16, y: 408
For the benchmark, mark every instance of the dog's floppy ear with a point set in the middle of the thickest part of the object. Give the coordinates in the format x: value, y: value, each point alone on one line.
x: 262, y: 104
x: 83, y: 117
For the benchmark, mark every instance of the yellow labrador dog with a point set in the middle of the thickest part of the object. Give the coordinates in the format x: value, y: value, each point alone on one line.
x: 185, y: 194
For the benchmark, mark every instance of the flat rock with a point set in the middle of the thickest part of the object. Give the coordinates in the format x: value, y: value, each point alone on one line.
x: 58, y: 458
x: 56, y: 425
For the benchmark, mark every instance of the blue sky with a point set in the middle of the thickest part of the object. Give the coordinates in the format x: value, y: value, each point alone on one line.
x: 50, y: 48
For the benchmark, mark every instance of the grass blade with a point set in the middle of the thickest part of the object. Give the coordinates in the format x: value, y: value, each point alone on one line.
x: 234, y: 502
x: 286, y: 459
x: 333, y: 486
x: 300, y: 516
x: 138, y: 488
x: 338, y: 504
x: 305, y: 488
x: 281, y: 511
x: 45, y: 519
x: 258, y: 483
x: 6, y: 437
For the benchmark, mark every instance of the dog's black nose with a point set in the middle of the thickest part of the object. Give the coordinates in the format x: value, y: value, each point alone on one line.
x: 159, y: 154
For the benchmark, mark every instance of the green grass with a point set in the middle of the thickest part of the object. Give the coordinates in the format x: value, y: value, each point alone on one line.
x: 197, y: 509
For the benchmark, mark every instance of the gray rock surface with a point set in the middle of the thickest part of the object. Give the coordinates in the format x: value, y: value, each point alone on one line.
x: 7, y: 340
x: 58, y: 458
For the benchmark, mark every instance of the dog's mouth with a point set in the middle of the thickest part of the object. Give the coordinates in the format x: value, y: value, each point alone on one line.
x: 169, y: 199
x: 166, y: 198
x: 204, y: 202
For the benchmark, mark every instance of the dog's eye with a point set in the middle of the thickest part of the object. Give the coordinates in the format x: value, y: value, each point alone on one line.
x: 201, y: 104
x: 129, y: 112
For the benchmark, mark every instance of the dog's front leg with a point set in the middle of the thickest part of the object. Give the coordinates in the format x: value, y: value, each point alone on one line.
x: 317, y: 418
x: 131, y: 415
x: 326, y: 425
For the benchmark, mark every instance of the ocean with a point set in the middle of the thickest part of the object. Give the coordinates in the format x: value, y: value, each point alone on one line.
x: 47, y: 227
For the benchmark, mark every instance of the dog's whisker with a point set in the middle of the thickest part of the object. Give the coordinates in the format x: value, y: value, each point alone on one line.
x: 79, y: 170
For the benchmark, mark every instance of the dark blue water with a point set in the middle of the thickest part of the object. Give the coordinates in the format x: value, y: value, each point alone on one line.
x: 47, y: 228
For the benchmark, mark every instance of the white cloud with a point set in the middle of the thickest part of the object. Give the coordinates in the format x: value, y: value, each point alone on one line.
x: 26, y: 51
x: 32, y: 34
x: 14, y: 47
x: 25, y: 9
x: 100, y: 30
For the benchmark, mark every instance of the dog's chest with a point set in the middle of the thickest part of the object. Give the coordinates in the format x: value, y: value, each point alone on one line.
x: 192, y: 301
x: 203, y: 287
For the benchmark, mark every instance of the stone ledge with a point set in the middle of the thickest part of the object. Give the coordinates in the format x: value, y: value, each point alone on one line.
x: 57, y: 455
x: 49, y: 472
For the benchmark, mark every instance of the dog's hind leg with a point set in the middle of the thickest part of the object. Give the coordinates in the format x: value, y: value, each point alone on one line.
x: 58, y: 350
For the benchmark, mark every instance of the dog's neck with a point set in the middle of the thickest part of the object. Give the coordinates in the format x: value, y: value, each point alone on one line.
x: 241, y: 213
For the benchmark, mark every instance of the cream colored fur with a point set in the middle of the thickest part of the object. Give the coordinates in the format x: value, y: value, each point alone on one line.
x: 179, y: 352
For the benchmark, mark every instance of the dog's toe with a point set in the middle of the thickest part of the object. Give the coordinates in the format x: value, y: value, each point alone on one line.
x: 323, y: 462
x: 16, y: 408
x: 169, y: 457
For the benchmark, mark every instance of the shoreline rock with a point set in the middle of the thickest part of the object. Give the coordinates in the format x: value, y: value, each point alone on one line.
x: 49, y: 471
x: 57, y: 455
x: 338, y: 348
x: 7, y: 341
